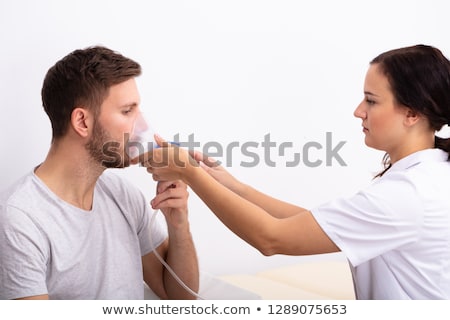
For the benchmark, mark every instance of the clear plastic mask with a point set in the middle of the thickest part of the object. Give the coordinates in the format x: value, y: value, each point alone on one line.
x: 142, y: 138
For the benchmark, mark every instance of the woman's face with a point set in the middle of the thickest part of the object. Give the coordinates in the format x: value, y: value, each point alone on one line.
x: 382, y: 118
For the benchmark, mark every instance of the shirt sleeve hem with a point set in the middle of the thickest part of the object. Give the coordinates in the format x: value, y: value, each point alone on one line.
x: 317, y: 214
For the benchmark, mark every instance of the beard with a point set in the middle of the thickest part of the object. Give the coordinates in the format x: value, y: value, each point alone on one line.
x: 106, y: 151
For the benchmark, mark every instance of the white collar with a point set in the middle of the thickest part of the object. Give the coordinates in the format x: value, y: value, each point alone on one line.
x: 427, y: 155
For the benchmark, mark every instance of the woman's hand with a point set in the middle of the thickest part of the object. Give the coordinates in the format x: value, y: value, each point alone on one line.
x: 167, y: 162
x: 215, y: 170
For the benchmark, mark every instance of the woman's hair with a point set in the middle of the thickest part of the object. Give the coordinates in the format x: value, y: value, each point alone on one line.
x: 419, y: 77
x: 82, y: 79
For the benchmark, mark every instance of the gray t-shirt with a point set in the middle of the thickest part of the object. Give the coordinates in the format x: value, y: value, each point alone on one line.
x: 48, y: 246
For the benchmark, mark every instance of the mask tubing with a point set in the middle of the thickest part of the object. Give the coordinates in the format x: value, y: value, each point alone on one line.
x: 164, y: 263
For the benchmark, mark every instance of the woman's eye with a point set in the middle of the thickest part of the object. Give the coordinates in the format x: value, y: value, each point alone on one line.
x: 125, y: 112
x: 370, y: 101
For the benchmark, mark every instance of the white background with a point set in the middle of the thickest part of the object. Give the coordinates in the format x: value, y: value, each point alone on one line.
x: 225, y: 71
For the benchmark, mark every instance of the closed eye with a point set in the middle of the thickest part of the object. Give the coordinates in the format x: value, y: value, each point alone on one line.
x: 370, y: 101
x: 369, y: 98
x: 129, y: 109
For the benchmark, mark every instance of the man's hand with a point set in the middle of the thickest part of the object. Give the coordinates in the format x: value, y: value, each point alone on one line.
x: 171, y: 198
x: 178, y: 250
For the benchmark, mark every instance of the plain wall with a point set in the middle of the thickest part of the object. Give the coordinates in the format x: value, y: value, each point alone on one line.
x: 226, y: 72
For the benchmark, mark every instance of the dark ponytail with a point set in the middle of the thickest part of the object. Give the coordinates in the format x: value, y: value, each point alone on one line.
x: 386, y: 164
x: 443, y: 144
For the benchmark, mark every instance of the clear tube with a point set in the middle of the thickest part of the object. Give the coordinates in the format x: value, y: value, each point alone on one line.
x: 164, y: 263
x: 142, y: 140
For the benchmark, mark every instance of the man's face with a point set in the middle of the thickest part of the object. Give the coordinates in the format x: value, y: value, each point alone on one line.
x: 114, y: 124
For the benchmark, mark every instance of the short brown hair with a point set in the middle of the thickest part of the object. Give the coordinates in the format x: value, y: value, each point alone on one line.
x: 83, y: 78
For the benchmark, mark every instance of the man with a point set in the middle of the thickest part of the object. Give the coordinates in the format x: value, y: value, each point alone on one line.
x: 71, y: 230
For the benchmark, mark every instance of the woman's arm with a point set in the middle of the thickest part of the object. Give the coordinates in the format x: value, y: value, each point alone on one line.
x: 274, y: 207
x: 295, y: 233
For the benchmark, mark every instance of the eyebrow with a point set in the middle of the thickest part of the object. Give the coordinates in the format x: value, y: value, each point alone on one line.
x: 370, y: 93
x: 129, y: 105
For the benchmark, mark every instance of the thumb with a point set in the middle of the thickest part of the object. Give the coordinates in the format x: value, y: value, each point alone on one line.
x: 160, y: 141
x: 134, y: 160
x: 204, y: 159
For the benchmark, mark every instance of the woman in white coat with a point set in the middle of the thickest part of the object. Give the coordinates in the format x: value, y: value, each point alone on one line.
x: 396, y: 232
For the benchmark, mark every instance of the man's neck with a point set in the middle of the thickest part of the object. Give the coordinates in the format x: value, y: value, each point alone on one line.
x: 71, y: 174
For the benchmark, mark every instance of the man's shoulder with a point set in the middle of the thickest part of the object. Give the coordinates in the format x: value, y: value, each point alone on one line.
x: 114, y: 189
x: 17, y: 198
x: 17, y: 189
x: 111, y: 179
x: 112, y: 182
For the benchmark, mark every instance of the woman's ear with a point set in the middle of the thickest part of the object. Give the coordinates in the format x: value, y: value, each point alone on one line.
x: 81, y: 121
x: 411, y: 117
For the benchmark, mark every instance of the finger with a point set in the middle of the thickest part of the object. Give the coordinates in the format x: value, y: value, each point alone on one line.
x: 204, y: 166
x: 144, y: 159
x: 171, y: 194
x: 151, y: 158
x: 163, y: 185
x: 202, y: 158
x: 140, y: 158
x: 157, y: 177
x: 134, y: 160
x: 160, y: 141
x: 169, y: 203
x: 197, y: 156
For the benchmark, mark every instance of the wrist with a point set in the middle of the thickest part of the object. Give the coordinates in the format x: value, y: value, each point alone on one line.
x: 179, y: 232
x: 186, y: 167
x: 239, y: 188
x: 191, y: 173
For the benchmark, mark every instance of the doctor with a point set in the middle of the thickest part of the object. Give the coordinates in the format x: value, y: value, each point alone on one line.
x: 396, y: 232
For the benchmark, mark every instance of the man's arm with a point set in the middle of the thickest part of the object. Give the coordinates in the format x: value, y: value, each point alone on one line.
x: 178, y: 250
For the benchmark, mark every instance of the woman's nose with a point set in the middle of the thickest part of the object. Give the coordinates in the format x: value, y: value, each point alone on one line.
x: 359, y: 111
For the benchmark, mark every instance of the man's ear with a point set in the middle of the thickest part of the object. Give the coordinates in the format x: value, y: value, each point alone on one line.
x: 81, y: 120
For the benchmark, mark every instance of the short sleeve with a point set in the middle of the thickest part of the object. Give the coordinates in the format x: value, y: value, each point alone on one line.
x: 23, y: 256
x: 386, y: 215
